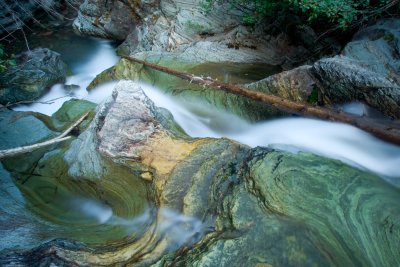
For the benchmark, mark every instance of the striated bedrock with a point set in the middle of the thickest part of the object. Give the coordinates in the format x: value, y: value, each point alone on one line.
x: 202, y: 202
x: 353, y: 215
x: 182, y: 27
x: 36, y: 71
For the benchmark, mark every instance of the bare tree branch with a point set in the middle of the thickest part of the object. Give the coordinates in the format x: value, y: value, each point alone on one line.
x: 387, y: 131
x: 48, y: 102
x: 25, y: 149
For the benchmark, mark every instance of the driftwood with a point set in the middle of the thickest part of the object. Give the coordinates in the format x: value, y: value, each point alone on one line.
x: 384, y: 130
x: 25, y: 149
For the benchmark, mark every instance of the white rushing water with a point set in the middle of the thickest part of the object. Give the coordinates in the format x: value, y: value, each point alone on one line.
x: 200, y: 119
x: 101, y: 57
x: 332, y: 140
x: 91, y: 208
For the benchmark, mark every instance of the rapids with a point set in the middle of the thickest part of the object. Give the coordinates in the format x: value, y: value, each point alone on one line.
x: 328, y: 139
x: 200, y: 119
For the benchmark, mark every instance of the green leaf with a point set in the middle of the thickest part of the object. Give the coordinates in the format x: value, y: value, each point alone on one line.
x: 12, y: 62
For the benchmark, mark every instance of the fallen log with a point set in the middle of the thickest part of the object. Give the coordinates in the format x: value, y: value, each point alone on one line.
x: 25, y: 149
x: 388, y: 131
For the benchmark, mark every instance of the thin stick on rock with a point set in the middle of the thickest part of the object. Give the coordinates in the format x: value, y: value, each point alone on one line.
x: 25, y: 149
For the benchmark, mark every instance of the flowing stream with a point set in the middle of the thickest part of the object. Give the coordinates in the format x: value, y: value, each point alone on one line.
x: 69, y: 208
x: 333, y: 140
x: 86, y: 57
x: 200, y: 119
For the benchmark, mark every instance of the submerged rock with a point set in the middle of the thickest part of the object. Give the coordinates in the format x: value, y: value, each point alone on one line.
x: 34, y: 73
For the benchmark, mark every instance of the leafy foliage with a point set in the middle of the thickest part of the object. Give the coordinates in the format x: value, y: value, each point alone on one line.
x: 342, y: 12
x: 4, y: 60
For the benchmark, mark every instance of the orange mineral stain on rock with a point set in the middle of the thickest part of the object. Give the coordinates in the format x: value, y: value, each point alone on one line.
x: 163, y: 153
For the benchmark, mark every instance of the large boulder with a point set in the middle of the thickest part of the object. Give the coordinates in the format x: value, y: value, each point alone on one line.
x: 36, y: 71
x: 367, y: 70
x: 106, y: 19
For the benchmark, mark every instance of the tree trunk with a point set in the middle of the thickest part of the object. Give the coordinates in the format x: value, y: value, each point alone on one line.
x: 385, y: 130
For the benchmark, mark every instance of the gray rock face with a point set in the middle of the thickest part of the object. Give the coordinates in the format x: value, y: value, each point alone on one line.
x: 34, y: 73
x: 82, y: 157
x: 367, y: 70
x: 107, y: 19
x: 126, y: 126
x: 181, y: 27
x: 21, y: 129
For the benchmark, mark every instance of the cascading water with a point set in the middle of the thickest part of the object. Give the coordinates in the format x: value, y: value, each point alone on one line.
x: 200, y: 119
x: 100, y: 57
x: 333, y: 140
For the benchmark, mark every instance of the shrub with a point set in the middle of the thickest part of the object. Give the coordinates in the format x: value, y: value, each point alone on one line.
x: 5, y: 61
x: 341, y: 12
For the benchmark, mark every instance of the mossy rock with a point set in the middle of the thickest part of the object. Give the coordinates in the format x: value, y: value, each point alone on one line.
x: 351, y: 213
x: 186, y: 91
x: 70, y: 112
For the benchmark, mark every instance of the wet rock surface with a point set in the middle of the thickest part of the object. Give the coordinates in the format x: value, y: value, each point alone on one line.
x: 217, y: 202
x: 34, y: 73
x: 367, y: 70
